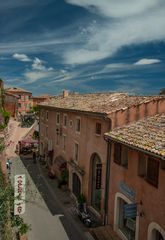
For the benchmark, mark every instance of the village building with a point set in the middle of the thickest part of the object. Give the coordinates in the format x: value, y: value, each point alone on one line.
x: 24, y: 101
x: 136, y: 185
x: 39, y: 99
x: 11, y: 104
x: 72, y: 128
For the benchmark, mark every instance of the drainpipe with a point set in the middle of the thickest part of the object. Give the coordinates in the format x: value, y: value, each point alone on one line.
x: 107, y: 182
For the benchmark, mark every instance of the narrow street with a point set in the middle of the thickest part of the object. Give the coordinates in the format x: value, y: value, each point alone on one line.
x: 48, y: 210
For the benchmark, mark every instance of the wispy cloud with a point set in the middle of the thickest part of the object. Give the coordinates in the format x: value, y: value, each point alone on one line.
x: 38, y: 64
x: 117, y: 9
x: 126, y: 23
x: 146, y: 61
x: 33, y: 76
x: 21, y: 57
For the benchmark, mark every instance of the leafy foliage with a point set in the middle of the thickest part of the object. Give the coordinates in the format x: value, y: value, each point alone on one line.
x: 7, y: 217
x: 162, y: 91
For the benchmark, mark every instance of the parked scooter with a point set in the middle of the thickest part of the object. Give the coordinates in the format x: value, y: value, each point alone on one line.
x: 83, y: 214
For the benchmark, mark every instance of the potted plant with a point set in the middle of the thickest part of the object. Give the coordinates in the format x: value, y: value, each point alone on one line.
x: 63, y: 181
x: 81, y: 199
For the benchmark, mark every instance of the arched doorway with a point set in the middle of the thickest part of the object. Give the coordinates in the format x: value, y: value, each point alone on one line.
x: 155, y: 232
x: 76, y: 184
x: 96, y: 182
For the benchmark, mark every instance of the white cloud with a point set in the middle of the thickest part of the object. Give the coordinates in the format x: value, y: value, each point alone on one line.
x: 135, y: 22
x: 38, y: 64
x: 147, y: 61
x: 33, y: 76
x: 21, y: 57
x: 119, y: 8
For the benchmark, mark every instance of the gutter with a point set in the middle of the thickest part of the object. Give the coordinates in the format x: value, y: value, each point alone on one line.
x: 107, y: 138
x: 101, y: 114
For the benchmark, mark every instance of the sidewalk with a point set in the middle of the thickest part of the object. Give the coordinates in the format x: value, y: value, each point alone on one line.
x: 66, y: 198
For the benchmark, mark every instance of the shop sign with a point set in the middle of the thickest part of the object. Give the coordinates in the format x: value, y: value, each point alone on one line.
x: 128, y: 191
x: 19, y: 194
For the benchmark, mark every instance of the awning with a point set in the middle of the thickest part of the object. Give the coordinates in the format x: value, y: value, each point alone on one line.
x: 29, y: 141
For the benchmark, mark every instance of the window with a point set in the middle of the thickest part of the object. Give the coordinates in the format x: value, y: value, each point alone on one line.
x: 127, y: 225
x: 58, y: 118
x: 148, y: 168
x: 78, y: 124
x: 27, y: 97
x: 76, y: 151
x: 163, y: 164
x: 124, y: 156
x: 64, y: 142
x: 19, y: 105
x: 152, y: 171
x: 57, y: 138
x: 117, y: 153
x: 46, y: 131
x: 65, y: 120
x: 142, y: 163
x: 71, y: 123
x: 98, y: 128
x: 47, y: 114
x: 121, y: 155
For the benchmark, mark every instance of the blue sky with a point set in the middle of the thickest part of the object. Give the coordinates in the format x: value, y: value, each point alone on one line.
x: 83, y: 45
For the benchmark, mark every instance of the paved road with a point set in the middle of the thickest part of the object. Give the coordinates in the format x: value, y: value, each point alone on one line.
x: 47, y: 210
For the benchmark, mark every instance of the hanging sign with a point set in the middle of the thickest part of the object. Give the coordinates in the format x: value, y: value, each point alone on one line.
x: 19, y: 194
x: 128, y: 191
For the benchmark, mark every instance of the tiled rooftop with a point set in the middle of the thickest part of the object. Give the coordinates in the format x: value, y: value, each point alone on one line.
x: 15, y: 89
x: 96, y: 102
x: 148, y: 134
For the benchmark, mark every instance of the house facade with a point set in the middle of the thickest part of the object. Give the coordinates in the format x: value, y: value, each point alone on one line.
x: 72, y: 128
x: 136, y: 199
x: 11, y: 104
x: 39, y: 99
x: 24, y: 98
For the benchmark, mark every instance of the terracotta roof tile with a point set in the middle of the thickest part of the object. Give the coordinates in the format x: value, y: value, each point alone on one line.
x: 96, y: 102
x: 148, y: 134
x: 16, y: 90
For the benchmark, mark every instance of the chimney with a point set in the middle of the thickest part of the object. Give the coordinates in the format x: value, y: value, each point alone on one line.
x: 65, y: 93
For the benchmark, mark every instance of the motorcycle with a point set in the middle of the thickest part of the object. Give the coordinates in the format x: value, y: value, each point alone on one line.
x: 83, y: 214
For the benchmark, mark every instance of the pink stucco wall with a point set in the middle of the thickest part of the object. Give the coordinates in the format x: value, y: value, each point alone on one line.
x: 89, y: 143
x: 136, y: 112
x: 153, y: 199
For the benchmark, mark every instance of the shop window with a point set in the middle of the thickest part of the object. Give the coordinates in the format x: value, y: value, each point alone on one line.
x: 127, y: 225
x: 98, y: 128
x: 76, y: 185
x: 142, y: 164
x: 78, y: 125
x: 152, y: 171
